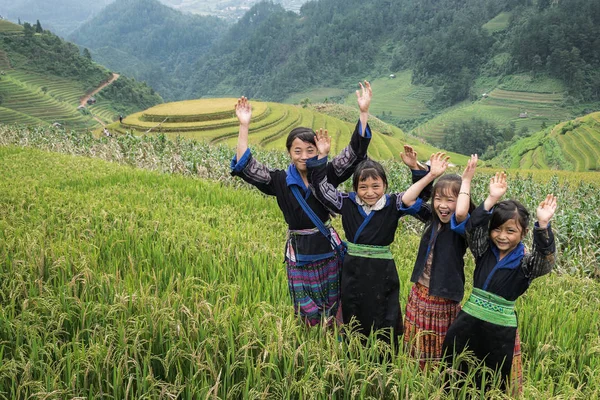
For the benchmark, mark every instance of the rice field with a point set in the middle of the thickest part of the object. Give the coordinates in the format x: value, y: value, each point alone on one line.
x: 31, y: 98
x: 214, y: 121
x: 397, y: 97
x: 148, y: 277
x: 500, y: 107
x: 572, y: 145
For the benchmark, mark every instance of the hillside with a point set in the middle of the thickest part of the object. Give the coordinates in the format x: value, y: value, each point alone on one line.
x: 60, y: 16
x: 43, y: 78
x: 150, y: 42
x: 214, y: 121
x: 573, y: 145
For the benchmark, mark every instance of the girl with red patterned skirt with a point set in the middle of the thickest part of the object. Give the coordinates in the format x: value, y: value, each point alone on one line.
x: 438, y: 273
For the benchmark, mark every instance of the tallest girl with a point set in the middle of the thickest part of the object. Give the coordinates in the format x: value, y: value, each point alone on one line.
x: 312, y: 250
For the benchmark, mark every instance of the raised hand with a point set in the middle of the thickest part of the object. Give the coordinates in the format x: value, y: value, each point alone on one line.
x: 438, y: 162
x: 323, y: 141
x: 546, y: 209
x: 364, y: 96
x: 498, y: 186
x: 470, y: 168
x: 409, y: 157
x: 243, y: 111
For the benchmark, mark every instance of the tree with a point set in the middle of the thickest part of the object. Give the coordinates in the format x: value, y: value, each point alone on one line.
x: 27, y: 29
x: 87, y: 54
x: 38, y: 27
x: 472, y: 137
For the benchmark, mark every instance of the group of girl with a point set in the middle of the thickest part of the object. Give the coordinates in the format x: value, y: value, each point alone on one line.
x: 357, y: 280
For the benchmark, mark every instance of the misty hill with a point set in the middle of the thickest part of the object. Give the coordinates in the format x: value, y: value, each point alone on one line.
x: 448, y: 44
x: 60, y: 16
x: 227, y: 9
x: 150, y: 41
x: 43, y: 79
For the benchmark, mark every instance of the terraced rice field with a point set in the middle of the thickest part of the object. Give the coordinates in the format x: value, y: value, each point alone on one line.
x: 214, y: 121
x: 578, y: 144
x: 60, y: 89
x: 317, y: 95
x: 397, y: 96
x: 500, y: 107
x: 25, y: 98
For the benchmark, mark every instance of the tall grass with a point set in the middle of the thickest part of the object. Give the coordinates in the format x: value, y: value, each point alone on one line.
x: 123, y: 282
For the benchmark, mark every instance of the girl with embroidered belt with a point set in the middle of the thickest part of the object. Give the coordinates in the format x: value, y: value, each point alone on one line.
x: 370, y: 284
x: 311, y: 256
x: 438, y: 273
x: 487, y: 324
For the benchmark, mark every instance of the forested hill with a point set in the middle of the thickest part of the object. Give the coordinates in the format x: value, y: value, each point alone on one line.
x: 43, y: 78
x: 150, y: 41
x: 448, y: 44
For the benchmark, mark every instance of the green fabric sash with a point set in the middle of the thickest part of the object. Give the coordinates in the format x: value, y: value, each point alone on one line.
x: 367, y: 251
x: 491, y: 308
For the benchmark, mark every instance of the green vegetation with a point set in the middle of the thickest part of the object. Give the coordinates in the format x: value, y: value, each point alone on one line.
x: 151, y: 42
x: 499, y: 23
x: 397, y: 100
x: 9, y: 27
x: 502, y: 107
x: 44, y: 78
x: 572, y: 145
x: 126, y: 283
x: 213, y: 120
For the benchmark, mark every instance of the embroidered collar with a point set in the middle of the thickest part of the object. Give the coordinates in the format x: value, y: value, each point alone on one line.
x: 293, y: 178
x: 375, y: 207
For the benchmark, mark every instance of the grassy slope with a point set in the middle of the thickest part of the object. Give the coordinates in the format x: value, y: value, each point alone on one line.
x: 573, y: 145
x: 134, y: 283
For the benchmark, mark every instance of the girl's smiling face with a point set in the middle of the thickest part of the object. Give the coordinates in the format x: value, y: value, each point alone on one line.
x: 301, y: 151
x: 444, y: 204
x: 370, y: 190
x: 507, y: 236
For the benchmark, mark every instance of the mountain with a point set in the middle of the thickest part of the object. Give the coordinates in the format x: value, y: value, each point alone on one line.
x: 448, y: 44
x: 150, y: 41
x: 63, y: 17
x: 227, y: 9
x: 59, y: 16
x: 44, y: 79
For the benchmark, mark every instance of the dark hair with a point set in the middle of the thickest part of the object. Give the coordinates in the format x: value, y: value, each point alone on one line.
x: 449, y: 183
x: 507, y: 210
x: 305, y: 134
x: 368, y: 169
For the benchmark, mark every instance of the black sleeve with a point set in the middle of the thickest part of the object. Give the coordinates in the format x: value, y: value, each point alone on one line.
x: 542, y: 257
x: 477, y: 231
x: 323, y: 190
x: 253, y: 172
x: 343, y: 165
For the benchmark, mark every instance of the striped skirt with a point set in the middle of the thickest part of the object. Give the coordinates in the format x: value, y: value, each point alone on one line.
x: 515, y: 388
x: 426, y: 323
x: 315, y: 289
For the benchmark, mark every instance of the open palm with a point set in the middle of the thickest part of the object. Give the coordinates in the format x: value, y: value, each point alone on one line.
x: 364, y: 96
x: 243, y: 111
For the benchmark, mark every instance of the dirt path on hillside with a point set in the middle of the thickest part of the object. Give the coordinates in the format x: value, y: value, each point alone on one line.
x: 84, y: 99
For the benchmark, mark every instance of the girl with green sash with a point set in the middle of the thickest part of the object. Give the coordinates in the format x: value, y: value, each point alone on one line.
x: 370, y: 284
x: 487, y: 324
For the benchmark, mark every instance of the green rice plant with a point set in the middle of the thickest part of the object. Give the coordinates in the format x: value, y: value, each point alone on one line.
x: 121, y: 282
